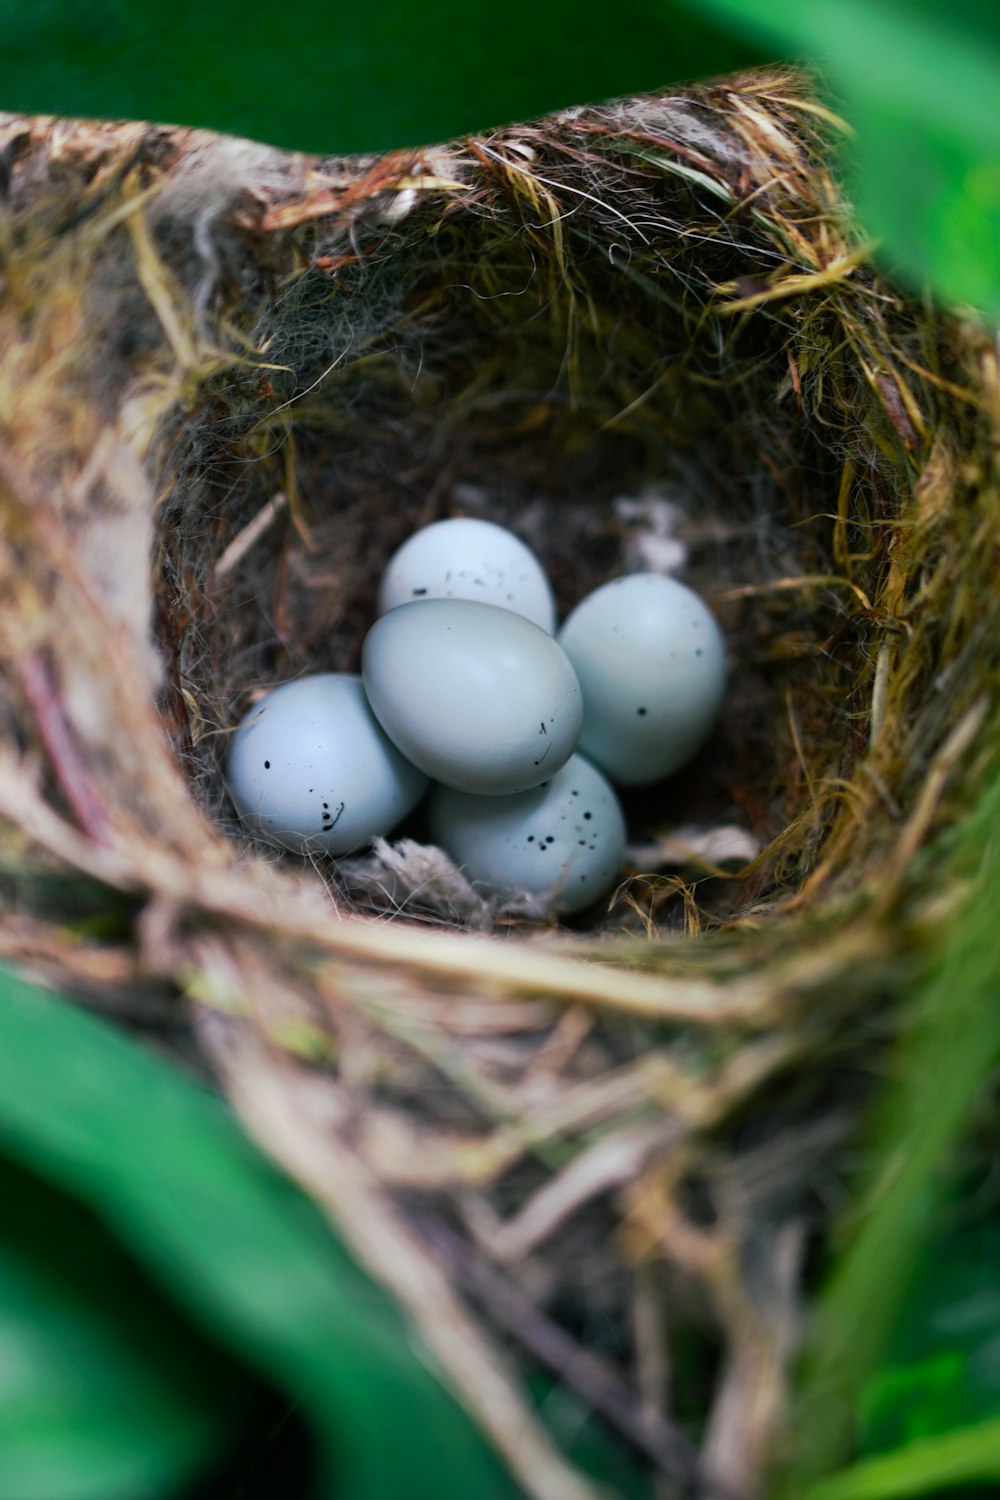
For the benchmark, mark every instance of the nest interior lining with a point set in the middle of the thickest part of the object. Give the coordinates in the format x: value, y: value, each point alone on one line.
x: 512, y: 344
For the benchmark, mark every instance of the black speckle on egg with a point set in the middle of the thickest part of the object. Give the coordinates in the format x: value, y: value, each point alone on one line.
x: 588, y: 815
x: 550, y: 839
x: 267, y: 765
x: 582, y: 843
x: 575, y: 792
x: 642, y: 712
x: 419, y: 593
x: 698, y: 651
x: 531, y: 838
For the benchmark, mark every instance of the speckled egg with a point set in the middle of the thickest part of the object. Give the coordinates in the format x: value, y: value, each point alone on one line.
x: 465, y: 558
x: 564, y: 840
x: 652, y: 665
x: 478, y: 697
x: 310, y: 769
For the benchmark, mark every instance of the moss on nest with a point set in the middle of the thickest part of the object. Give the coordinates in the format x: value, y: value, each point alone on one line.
x: 232, y: 382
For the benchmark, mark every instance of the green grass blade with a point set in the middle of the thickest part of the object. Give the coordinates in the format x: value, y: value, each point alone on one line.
x: 356, y: 76
x: 943, y: 1368
x: 163, y: 1163
x: 944, y: 1063
x: 970, y: 1455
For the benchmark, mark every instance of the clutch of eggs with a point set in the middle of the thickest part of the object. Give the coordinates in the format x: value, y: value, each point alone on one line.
x: 464, y: 684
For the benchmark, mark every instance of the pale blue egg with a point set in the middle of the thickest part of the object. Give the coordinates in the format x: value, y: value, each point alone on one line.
x: 478, y: 697
x: 465, y: 558
x: 564, y: 840
x: 310, y: 769
x: 651, y: 662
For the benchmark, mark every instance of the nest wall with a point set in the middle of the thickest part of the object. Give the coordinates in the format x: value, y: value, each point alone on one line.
x: 528, y: 329
x: 232, y: 382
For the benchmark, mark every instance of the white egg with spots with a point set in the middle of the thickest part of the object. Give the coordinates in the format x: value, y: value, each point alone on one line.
x: 309, y: 768
x: 476, y: 696
x: 564, y: 840
x: 652, y: 665
x: 465, y: 558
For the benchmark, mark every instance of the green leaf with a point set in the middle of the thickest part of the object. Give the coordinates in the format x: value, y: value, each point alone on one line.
x: 105, y: 1392
x: 356, y: 76
x: 920, y: 83
x: 931, y: 194
x: 968, y: 1456
x: 943, y: 1368
x: 163, y: 1163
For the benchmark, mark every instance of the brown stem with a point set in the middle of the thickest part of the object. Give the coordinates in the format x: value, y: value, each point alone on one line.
x: 662, y: 1444
x: 64, y: 754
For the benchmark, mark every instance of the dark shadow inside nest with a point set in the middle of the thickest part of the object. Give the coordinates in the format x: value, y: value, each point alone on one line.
x: 586, y: 412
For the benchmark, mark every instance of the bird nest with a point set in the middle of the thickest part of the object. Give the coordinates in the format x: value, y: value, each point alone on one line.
x: 643, y: 335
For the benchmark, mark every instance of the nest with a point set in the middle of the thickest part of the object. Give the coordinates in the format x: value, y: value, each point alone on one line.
x: 643, y: 334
